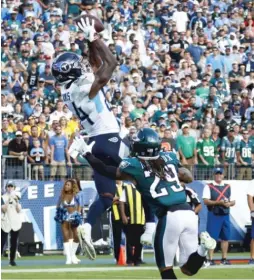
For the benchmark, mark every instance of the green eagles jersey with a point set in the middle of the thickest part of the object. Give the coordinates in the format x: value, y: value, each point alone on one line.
x: 229, y: 148
x: 246, y: 150
x: 207, y: 149
x: 159, y: 193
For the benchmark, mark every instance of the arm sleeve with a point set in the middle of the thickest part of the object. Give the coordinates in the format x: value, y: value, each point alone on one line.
x: 100, y: 167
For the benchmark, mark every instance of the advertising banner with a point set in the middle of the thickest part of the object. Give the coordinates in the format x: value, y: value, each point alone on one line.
x: 39, y: 199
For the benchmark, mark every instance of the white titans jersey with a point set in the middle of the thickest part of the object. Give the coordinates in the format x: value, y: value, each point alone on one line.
x: 95, y: 114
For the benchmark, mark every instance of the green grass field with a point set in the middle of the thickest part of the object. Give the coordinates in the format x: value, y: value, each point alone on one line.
x: 52, y: 267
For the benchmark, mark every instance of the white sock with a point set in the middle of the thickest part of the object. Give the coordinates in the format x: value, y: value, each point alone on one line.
x: 74, y: 248
x: 202, y: 251
x: 150, y: 228
x: 87, y: 228
x: 67, y: 249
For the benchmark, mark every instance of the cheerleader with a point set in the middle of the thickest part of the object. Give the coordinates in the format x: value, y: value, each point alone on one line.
x: 68, y: 214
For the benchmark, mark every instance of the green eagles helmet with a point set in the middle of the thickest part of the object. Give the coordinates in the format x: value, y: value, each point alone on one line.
x: 146, y: 144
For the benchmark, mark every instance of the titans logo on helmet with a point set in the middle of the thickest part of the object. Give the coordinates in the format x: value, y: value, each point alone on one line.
x: 62, y: 66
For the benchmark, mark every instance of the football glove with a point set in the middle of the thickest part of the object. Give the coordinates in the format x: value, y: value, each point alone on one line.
x: 79, y: 146
x: 88, y: 29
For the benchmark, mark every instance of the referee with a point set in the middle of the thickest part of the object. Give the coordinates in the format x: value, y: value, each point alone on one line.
x: 133, y: 217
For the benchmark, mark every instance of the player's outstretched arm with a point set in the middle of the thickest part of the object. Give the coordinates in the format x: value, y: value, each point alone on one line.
x: 111, y: 172
x: 100, y: 56
x: 106, y: 68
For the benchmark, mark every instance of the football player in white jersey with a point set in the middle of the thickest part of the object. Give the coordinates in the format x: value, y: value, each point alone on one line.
x: 82, y: 81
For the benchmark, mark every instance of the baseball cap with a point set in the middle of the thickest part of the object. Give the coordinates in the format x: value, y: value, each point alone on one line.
x: 10, y: 183
x: 162, y: 123
x: 18, y: 133
x: 159, y: 95
x: 185, y: 125
x: 231, y: 129
x: 32, y: 96
x: 218, y: 170
x: 41, y: 80
x: 139, y: 101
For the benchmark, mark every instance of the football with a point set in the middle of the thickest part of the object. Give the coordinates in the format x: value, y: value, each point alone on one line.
x: 97, y: 23
x: 185, y: 175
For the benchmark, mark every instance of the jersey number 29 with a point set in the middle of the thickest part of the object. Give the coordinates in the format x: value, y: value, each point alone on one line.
x: 171, y: 177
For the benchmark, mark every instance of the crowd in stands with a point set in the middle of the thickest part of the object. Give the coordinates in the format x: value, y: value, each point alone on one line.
x: 185, y: 68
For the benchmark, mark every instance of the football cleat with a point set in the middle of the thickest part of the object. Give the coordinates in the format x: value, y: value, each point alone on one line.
x: 86, y: 243
x: 148, y: 236
x: 207, y: 241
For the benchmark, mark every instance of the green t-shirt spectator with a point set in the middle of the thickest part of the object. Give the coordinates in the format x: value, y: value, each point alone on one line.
x: 207, y: 149
x: 187, y: 144
x: 202, y: 92
x: 137, y: 113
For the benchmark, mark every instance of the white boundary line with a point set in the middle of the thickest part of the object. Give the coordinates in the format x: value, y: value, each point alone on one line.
x: 103, y: 269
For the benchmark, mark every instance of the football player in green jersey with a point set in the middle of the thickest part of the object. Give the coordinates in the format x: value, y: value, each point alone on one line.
x: 245, y: 156
x: 157, y: 178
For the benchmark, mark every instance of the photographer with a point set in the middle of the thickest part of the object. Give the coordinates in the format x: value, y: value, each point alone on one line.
x: 10, y: 219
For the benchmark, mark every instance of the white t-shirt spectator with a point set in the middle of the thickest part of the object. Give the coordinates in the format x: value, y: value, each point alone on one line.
x: 181, y: 20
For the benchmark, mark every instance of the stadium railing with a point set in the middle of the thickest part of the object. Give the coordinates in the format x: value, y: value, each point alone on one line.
x: 11, y: 169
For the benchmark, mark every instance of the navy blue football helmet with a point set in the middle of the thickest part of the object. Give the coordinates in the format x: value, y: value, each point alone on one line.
x: 68, y: 67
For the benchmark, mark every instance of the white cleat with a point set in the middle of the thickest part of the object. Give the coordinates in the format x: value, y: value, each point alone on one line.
x: 86, y: 243
x: 148, y: 236
x: 147, y: 239
x: 206, y: 240
x: 75, y: 260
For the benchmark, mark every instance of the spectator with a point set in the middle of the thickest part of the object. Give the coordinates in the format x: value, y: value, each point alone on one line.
x: 216, y: 60
x: 18, y: 149
x: 207, y: 150
x: 228, y: 152
x: 168, y: 142
x: 187, y: 147
x: 218, y: 199
x: 29, y: 106
x: 59, y: 154
x: 38, y: 155
x: 245, y: 156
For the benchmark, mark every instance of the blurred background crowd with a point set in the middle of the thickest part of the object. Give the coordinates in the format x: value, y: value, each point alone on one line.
x: 185, y: 69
